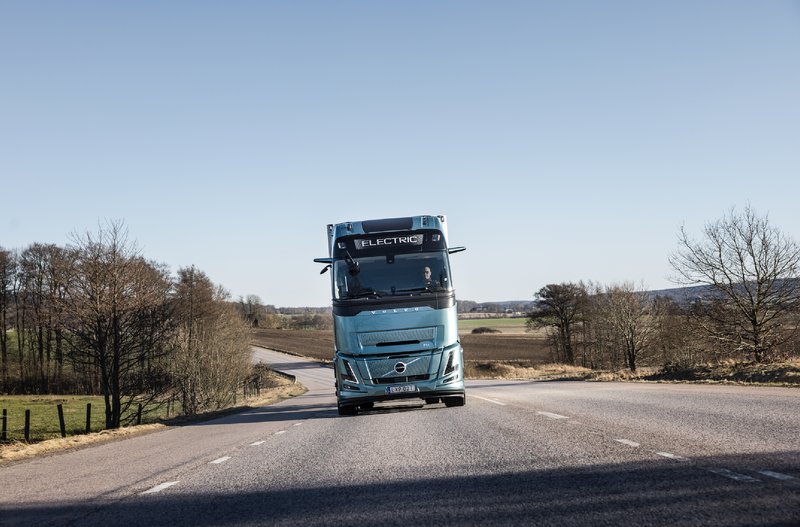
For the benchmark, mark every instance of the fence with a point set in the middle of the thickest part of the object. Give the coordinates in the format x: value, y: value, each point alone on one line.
x: 50, y: 422
x: 36, y: 418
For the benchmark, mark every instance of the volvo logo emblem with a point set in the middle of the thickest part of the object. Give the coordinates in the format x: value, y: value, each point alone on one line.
x: 400, y: 367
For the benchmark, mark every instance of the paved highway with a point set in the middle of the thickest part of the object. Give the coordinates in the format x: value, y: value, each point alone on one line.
x: 535, y: 453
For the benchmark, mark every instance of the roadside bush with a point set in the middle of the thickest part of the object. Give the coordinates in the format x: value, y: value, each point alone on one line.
x: 481, y: 330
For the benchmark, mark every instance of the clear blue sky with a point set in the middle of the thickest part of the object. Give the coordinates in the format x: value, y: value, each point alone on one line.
x: 564, y: 140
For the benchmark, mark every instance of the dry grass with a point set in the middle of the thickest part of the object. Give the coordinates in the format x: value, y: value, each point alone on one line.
x: 785, y: 373
x: 19, y: 450
x: 523, y: 370
x: 777, y: 374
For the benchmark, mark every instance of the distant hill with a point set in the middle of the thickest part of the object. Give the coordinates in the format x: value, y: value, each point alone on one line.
x: 680, y: 295
x: 684, y: 295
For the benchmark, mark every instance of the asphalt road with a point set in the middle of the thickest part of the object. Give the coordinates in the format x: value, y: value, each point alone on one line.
x: 519, y: 453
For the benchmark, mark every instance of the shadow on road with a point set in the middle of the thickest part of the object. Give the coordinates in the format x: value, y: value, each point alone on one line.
x: 311, y: 410
x: 640, y: 493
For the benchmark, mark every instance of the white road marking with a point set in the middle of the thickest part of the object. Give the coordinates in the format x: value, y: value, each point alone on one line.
x: 159, y: 488
x: 279, y: 432
x: 297, y: 424
x: 667, y: 454
x: 628, y: 442
x: 732, y: 475
x: 552, y: 415
x: 777, y: 475
x: 257, y: 443
x: 487, y: 399
x: 220, y: 460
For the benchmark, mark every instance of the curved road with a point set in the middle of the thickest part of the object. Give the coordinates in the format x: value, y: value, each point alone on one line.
x: 536, y: 453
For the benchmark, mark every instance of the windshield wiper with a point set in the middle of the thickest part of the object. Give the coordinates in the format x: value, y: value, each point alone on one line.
x: 365, y: 294
x: 425, y: 289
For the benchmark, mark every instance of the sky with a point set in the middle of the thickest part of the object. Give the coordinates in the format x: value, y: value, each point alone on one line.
x: 564, y: 141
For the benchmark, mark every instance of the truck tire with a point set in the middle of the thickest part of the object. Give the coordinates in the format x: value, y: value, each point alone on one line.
x: 458, y: 400
x: 347, y: 409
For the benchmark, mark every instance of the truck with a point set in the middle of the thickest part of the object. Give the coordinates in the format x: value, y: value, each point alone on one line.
x: 394, y: 312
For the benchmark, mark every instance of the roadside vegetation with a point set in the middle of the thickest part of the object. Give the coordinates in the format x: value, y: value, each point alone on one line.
x: 97, y: 322
x: 738, y: 320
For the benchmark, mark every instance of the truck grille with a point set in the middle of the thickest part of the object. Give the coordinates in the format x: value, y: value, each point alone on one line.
x: 400, y: 380
x: 386, y: 368
x: 397, y: 337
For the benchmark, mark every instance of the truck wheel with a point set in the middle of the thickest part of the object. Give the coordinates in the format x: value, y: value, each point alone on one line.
x: 347, y: 409
x: 458, y: 400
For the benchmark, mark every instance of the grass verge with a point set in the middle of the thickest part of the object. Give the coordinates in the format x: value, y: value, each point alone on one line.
x: 18, y: 450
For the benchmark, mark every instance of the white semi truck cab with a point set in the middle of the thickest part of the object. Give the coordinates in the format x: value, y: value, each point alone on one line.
x: 394, y: 312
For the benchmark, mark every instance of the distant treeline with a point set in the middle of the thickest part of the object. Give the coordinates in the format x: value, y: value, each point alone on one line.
x: 746, y: 304
x: 263, y: 316
x: 96, y: 317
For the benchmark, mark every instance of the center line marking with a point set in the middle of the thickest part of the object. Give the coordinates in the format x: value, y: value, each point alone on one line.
x: 280, y: 432
x: 552, y: 415
x: 159, y: 488
x: 487, y: 399
x: 297, y: 424
x: 257, y: 443
x: 732, y: 475
x: 777, y: 475
x: 668, y: 455
x: 628, y: 442
x: 220, y: 460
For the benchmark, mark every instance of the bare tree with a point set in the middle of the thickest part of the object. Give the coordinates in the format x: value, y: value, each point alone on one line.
x: 7, y: 271
x: 115, y: 311
x: 753, y: 270
x: 674, y: 339
x: 43, y: 270
x: 212, y: 354
x: 559, y: 306
x: 627, y: 313
x: 252, y: 310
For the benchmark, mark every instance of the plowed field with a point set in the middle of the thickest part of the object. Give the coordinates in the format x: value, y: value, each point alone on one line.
x: 318, y: 344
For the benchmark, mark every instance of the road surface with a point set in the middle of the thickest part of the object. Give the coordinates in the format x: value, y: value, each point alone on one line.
x: 519, y: 453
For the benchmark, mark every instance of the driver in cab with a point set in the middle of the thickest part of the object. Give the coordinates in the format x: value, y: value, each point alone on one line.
x: 429, y: 282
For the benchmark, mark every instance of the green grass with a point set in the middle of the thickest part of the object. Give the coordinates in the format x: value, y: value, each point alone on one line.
x: 44, y: 415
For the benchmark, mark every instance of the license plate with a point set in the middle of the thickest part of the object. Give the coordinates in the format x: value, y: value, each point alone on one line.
x: 405, y: 388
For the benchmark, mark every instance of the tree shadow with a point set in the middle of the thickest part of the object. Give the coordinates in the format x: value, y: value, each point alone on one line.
x: 636, y: 493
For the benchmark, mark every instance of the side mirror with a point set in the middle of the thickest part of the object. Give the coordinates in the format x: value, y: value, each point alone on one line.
x: 453, y: 250
x: 327, y: 261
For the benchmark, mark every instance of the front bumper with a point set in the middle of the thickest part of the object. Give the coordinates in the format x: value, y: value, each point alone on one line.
x: 424, y: 375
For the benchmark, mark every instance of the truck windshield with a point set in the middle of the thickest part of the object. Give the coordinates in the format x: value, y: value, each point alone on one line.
x: 392, y: 275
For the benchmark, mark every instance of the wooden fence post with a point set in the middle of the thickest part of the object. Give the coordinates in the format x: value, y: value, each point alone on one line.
x: 27, y: 425
x: 4, y: 435
x: 61, y: 420
x: 88, y: 417
x: 139, y: 415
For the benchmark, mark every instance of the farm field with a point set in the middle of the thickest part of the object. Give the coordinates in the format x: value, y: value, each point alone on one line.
x: 318, y: 344
x: 513, y: 326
